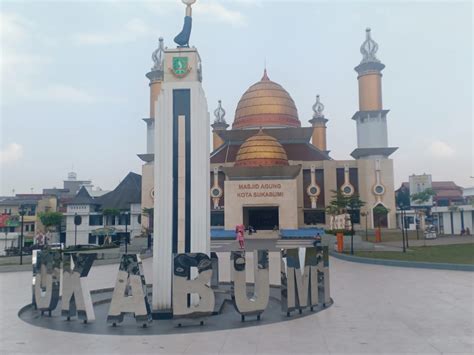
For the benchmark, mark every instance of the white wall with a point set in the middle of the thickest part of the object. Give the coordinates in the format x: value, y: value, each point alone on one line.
x: 372, y: 132
x: 445, y: 214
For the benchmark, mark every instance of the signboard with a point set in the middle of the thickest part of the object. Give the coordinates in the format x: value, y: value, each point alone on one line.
x: 255, y: 190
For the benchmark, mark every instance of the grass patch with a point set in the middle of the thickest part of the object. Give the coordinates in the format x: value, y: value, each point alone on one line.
x: 453, y: 254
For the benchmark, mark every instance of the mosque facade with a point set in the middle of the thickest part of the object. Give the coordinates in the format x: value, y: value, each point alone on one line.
x: 270, y: 172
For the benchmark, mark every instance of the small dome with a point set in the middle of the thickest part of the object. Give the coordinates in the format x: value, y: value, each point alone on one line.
x: 261, y: 150
x: 266, y: 104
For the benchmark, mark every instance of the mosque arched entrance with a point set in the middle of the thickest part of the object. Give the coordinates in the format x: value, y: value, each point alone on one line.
x: 261, y: 218
x: 380, y: 214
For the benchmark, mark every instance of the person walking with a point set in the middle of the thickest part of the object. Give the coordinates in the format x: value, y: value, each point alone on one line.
x: 239, y: 235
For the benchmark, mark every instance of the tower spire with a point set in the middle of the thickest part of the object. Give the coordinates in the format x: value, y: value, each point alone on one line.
x: 219, y: 113
x: 219, y: 125
x: 319, y: 125
x: 369, y: 48
x: 157, y: 56
x: 318, y: 108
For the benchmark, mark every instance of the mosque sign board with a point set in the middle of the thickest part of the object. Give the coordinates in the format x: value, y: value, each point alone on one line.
x: 261, y: 193
x: 260, y: 190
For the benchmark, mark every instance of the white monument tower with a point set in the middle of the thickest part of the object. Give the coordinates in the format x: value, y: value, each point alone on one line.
x: 181, y: 207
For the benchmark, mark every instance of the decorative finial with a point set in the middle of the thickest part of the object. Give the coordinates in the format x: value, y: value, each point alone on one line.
x: 318, y: 108
x: 369, y: 48
x: 182, y: 39
x: 157, y: 56
x: 219, y: 112
x: 265, y: 76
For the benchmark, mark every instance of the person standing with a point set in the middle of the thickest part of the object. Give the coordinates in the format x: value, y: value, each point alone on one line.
x: 239, y: 235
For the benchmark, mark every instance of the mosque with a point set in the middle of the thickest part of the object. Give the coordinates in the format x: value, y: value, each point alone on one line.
x: 270, y: 172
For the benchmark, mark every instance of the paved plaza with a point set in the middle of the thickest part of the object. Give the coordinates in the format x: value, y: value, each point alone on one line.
x: 377, y: 309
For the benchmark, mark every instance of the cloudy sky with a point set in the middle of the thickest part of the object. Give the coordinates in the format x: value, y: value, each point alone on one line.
x: 74, y: 91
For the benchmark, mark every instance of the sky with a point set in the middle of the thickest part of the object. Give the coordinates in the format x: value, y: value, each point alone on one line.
x: 74, y: 91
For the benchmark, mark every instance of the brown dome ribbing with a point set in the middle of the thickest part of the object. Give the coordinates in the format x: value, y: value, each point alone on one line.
x: 261, y: 150
x: 266, y: 104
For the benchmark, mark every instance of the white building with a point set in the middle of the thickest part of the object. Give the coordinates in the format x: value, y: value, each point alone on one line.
x: 118, y: 211
x: 454, y: 219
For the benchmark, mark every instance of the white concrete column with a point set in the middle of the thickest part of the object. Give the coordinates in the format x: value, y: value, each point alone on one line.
x: 162, y: 247
x: 200, y: 147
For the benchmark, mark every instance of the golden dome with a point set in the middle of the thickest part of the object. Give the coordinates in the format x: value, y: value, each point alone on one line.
x: 266, y: 104
x: 261, y: 150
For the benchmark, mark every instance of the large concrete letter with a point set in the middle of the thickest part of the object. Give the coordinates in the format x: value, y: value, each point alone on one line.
x: 76, y: 296
x: 215, y: 270
x: 323, y: 275
x: 299, y: 290
x: 257, y: 303
x: 130, y: 292
x: 46, y: 271
x: 183, y: 287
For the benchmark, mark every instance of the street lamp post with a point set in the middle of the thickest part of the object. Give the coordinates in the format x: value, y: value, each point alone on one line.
x: 22, y: 214
x: 352, y: 231
x: 366, y: 215
x: 5, y: 229
x: 402, y: 217
x: 75, y: 229
x: 126, y: 231
x: 417, y: 220
x: 406, y: 233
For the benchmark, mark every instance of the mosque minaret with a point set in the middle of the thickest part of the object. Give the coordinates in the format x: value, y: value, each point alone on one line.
x: 319, y: 126
x: 371, y: 118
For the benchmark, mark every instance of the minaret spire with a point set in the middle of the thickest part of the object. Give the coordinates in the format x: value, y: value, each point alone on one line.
x: 219, y: 113
x: 319, y: 126
x: 157, y: 56
x: 219, y: 124
x: 369, y: 48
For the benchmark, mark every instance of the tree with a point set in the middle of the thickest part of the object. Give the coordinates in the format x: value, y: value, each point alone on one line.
x: 110, y: 212
x: 341, y: 204
x: 402, y: 198
x: 379, y: 211
x: 423, y: 196
x: 50, y: 219
x: 354, y: 202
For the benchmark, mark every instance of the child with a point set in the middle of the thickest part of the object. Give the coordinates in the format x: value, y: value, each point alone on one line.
x: 239, y: 235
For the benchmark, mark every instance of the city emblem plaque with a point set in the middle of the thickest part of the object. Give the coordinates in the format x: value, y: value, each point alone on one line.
x: 180, y: 67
